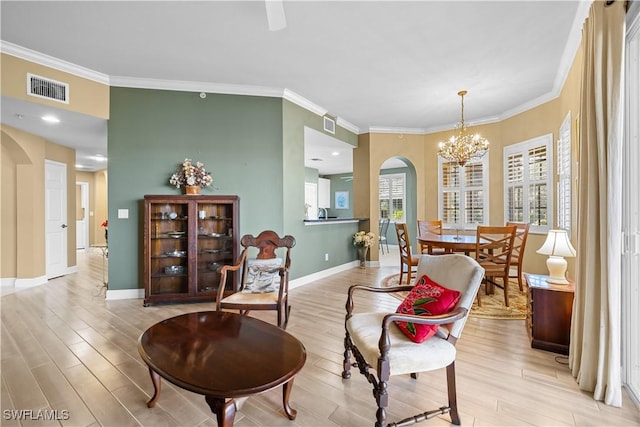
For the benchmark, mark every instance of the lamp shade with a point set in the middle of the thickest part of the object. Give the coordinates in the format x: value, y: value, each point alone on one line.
x: 557, y: 244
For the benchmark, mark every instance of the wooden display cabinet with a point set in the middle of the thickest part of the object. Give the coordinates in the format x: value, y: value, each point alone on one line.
x: 549, y: 309
x: 186, y: 241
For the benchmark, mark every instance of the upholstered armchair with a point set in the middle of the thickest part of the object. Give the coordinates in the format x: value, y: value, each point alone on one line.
x: 381, y: 349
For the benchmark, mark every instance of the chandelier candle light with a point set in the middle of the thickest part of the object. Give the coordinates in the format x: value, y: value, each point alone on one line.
x: 557, y: 246
x: 463, y: 147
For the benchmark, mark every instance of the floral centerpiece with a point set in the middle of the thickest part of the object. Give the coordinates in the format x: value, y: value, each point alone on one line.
x: 363, y: 241
x: 192, y: 176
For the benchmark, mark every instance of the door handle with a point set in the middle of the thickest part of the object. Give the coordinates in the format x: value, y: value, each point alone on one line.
x: 64, y: 225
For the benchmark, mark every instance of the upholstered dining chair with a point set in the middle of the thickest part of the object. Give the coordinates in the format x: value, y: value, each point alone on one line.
x: 383, y: 228
x: 406, y: 259
x: 263, y: 281
x: 381, y: 349
x: 519, y: 243
x: 494, y: 248
x: 430, y: 227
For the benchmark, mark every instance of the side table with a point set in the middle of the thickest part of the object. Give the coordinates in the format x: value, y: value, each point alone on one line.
x: 549, y: 309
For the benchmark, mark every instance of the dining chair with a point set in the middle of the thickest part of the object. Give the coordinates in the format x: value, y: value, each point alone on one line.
x: 382, y: 350
x: 383, y: 228
x: 430, y: 227
x: 263, y: 280
x: 519, y: 243
x: 494, y: 247
x: 406, y: 259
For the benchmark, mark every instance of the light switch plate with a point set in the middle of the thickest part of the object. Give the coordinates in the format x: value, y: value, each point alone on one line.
x: 123, y: 213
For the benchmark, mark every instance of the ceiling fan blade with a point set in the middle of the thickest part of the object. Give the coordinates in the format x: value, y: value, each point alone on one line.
x: 275, y: 14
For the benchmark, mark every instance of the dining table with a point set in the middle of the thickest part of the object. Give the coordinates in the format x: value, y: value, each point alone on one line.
x: 450, y: 242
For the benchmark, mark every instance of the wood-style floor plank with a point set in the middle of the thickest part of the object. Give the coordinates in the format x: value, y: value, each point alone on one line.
x: 65, y: 347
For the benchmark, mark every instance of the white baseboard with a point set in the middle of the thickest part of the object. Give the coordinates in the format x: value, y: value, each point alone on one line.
x: 114, y: 294
x: 30, y: 282
x: 300, y: 281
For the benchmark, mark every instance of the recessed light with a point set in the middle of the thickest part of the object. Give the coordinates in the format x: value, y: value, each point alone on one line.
x: 335, y: 153
x: 315, y: 159
x: 51, y: 119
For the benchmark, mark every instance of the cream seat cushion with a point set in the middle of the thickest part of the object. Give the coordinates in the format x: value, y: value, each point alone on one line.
x: 405, y: 356
x: 250, y: 298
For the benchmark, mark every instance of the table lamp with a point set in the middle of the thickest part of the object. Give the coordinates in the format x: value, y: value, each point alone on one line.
x: 557, y: 246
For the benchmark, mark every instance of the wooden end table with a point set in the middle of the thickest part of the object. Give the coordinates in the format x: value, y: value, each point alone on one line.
x: 549, y: 309
x: 222, y: 356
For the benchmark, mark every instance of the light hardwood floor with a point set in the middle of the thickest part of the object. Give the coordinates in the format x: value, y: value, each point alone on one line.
x: 65, y: 348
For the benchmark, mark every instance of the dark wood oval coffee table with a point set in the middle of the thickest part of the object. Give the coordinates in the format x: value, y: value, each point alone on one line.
x: 222, y: 356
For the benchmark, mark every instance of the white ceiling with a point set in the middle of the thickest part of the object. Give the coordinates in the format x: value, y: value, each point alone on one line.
x: 386, y: 66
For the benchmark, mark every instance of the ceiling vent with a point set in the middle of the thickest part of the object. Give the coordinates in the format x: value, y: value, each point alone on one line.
x: 329, y: 124
x: 47, y: 88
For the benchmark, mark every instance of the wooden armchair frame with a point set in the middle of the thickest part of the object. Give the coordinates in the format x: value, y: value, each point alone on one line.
x: 267, y: 242
x: 456, y: 271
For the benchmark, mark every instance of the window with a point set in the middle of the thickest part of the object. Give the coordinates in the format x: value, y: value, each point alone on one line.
x: 564, y: 175
x: 528, y: 183
x: 391, y: 196
x: 464, y: 195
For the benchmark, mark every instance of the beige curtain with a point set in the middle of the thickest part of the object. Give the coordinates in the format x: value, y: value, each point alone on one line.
x: 595, y: 353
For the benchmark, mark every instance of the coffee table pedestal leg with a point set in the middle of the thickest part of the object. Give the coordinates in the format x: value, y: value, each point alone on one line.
x: 225, y: 410
x: 155, y: 379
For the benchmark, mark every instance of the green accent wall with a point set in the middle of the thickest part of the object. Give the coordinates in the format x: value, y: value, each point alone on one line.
x: 253, y: 147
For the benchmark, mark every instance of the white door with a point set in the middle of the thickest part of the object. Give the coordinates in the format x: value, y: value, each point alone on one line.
x: 56, y: 218
x: 82, y: 215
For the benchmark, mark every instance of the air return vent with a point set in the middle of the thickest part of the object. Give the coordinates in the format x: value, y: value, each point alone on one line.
x: 329, y: 124
x: 47, y: 88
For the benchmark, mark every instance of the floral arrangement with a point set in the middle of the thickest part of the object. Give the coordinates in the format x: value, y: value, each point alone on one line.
x: 191, y: 174
x: 364, y: 240
x: 105, y: 224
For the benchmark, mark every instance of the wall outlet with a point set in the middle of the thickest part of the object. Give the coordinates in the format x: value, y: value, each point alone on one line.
x: 326, y: 257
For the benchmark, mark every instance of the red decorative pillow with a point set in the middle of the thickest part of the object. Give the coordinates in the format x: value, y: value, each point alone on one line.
x: 426, y: 297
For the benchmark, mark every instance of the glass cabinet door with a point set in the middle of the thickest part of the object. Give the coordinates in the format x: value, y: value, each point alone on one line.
x: 215, y: 245
x: 168, y: 249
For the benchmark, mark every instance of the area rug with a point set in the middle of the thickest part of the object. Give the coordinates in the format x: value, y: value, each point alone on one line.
x: 492, y: 305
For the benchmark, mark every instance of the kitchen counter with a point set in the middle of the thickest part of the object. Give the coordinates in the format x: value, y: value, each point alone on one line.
x: 330, y: 220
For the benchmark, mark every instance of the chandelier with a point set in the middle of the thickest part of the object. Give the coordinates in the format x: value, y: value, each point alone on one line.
x: 463, y: 147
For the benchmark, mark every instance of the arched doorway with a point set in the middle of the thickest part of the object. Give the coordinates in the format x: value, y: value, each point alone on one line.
x: 397, y: 195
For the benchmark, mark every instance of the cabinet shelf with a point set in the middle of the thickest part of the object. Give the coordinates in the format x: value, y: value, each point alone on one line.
x: 191, y: 242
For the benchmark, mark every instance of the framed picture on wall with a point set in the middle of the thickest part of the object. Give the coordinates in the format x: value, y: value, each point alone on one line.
x: 342, y: 200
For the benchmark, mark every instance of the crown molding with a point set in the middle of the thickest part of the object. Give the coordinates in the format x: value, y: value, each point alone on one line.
x: 189, y: 86
x: 572, y: 46
x: 51, y: 62
x: 408, y: 131
x: 348, y: 125
x: 290, y: 95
